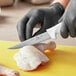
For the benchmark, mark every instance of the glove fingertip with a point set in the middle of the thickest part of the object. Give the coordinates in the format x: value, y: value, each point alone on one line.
x: 64, y: 35
x: 64, y: 31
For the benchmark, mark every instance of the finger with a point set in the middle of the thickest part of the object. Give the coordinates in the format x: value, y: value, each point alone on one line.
x: 64, y: 31
x: 21, y: 28
x: 30, y: 25
x: 72, y: 30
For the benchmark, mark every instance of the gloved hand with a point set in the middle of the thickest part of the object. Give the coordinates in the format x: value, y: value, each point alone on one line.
x: 69, y: 20
x: 47, y: 17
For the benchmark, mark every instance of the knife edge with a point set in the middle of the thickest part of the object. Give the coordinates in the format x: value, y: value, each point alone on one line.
x: 32, y: 41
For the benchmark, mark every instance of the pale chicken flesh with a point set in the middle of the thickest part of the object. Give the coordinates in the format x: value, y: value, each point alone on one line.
x: 5, y: 71
x: 29, y: 58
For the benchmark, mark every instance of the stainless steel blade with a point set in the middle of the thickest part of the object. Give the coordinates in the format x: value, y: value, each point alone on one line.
x: 50, y: 33
x: 32, y: 41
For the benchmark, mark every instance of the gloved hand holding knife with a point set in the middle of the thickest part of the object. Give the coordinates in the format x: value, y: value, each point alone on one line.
x: 47, y: 17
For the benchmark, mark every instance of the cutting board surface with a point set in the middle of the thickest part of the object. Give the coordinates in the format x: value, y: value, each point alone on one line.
x: 62, y: 61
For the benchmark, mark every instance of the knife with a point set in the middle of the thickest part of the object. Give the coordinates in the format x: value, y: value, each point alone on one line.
x: 50, y: 33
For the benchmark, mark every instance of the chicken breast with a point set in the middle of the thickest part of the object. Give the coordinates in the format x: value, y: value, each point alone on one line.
x: 46, y: 46
x: 4, y: 71
x: 29, y: 58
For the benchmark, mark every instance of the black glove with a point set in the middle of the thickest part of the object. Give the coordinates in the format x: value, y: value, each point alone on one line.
x: 47, y: 17
x: 69, y: 20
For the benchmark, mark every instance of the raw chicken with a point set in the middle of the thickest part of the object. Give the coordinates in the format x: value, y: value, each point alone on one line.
x: 46, y: 46
x: 29, y: 58
x: 4, y: 71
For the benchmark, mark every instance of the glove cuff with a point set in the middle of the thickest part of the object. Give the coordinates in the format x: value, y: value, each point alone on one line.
x: 59, y: 8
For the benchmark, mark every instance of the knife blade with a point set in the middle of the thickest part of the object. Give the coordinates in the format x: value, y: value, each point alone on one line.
x: 50, y: 33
